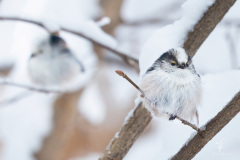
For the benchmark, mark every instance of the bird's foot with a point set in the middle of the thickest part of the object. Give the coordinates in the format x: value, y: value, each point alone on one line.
x: 172, y: 117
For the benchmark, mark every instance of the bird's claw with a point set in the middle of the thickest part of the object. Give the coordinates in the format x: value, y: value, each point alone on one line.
x: 172, y: 117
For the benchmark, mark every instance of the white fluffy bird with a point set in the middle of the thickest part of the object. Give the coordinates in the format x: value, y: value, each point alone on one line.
x: 53, y: 63
x: 171, y: 85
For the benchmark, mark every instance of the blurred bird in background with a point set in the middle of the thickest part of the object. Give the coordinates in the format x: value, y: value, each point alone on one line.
x: 53, y: 63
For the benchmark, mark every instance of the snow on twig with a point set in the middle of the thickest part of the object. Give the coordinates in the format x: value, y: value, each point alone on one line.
x: 102, y: 44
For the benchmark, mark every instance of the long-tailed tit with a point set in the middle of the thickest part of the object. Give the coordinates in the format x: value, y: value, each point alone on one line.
x: 171, y: 85
x: 53, y: 62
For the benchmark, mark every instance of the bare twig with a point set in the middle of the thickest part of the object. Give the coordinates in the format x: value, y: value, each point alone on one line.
x: 14, y: 99
x: 189, y: 124
x: 122, y: 74
x: 119, y: 53
x: 128, y: 134
x: 28, y: 87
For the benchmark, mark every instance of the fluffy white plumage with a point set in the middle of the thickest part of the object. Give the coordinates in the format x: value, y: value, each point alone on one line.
x: 171, y: 85
x: 53, y: 62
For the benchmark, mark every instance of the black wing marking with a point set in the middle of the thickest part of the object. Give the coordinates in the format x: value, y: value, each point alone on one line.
x: 150, y: 69
x: 56, y: 40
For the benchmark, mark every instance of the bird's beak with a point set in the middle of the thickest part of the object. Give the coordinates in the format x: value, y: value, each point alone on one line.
x: 182, y: 66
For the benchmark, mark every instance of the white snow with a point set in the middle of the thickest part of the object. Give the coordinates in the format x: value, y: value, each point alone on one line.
x: 220, y: 84
x: 130, y: 114
x: 172, y: 35
x: 133, y: 11
x: 51, y: 25
x: 104, y: 21
x: 6, y: 62
x: 91, y: 105
x: 91, y: 29
x: 25, y: 123
x: 168, y: 137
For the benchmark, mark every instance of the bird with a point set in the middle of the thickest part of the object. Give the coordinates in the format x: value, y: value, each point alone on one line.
x: 52, y: 62
x: 172, y: 86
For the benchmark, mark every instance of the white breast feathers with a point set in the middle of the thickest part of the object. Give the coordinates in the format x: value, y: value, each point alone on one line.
x: 176, y: 93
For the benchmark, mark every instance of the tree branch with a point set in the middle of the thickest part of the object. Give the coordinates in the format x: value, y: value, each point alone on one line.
x: 192, y: 147
x: 119, y: 146
x: 206, y: 25
x: 128, y: 134
x: 188, y: 124
x: 14, y: 99
x: 112, y: 9
x: 117, y: 52
x: 32, y: 88
x: 64, y: 119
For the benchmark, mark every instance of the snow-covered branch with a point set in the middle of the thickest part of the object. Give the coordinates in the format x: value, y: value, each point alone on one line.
x: 193, y: 146
x: 24, y: 20
x: 28, y: 87
x: 125, y: 56
x: 206, y: 24
x: 128, y: 134
x: 138, y: 121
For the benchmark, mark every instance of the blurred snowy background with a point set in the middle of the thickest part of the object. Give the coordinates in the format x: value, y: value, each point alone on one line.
x: 79, y: 124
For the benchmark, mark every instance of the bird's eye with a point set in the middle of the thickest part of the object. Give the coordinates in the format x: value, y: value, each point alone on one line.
x: 173, y: 63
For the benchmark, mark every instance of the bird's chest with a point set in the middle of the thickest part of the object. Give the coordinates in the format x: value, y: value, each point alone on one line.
x: 170, y: 84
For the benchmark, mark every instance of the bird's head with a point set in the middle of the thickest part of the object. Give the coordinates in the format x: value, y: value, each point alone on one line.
x: 53, y: 44
x: 175, y: 59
